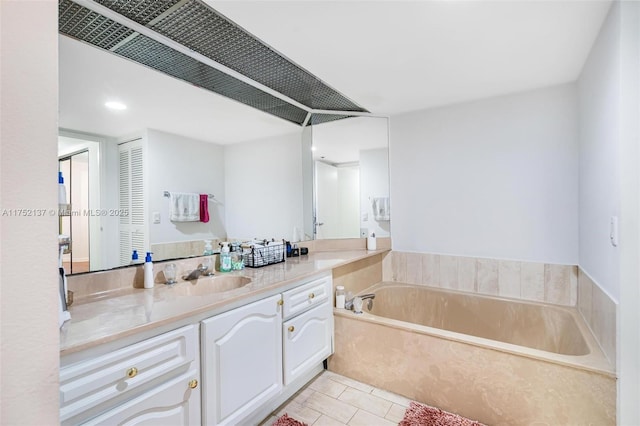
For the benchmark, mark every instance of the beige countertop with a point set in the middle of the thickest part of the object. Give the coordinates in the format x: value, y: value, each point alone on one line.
x: 125, y: 312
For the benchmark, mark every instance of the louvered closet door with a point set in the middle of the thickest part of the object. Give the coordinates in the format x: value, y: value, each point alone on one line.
x: 133, y: 230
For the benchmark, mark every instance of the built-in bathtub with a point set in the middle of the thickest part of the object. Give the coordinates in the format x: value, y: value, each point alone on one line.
x: 499, y: 361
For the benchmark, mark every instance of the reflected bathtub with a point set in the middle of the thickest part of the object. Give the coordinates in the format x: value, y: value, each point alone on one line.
x: 499, y: 361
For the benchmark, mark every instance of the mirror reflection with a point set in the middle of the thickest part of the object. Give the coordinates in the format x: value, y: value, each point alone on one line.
x: 255, y: 166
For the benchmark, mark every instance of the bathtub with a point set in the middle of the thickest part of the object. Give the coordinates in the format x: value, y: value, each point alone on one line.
x: 495, y: 360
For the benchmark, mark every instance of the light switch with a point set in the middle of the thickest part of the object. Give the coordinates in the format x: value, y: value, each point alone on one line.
x: 156, y: 217
x: 613, y: 231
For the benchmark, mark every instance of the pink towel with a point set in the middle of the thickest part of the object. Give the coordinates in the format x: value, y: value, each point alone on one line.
x: 204, y: 208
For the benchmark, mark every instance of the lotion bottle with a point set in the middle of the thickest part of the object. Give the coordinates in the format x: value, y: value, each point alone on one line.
x: 148, y: 271
x: 62, y: 190
x: 225, y: 258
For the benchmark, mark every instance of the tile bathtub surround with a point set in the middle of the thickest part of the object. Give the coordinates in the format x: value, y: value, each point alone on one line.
x: 334, y: 400
x: 539, y: 282
x: 359, y: 275
x: 599, y: 311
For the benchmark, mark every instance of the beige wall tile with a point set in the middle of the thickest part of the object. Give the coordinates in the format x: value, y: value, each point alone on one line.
x: 487, y: 276
x: 585, y: 296
x: 467, y: 274
x: 399, y: 267
x: 431, y: 269
x: 532, y: 281
x: 449, y: 272
x: 509, y: 278
x: 359, y: 275
x: 604, y: 322
x: 414, y: 268
x: 387, y: 267
x: 558, y: 280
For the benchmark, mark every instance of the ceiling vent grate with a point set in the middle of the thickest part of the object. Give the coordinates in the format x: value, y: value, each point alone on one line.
x: 81, y: 23
x: 324, y: 118
x: 141, y: 11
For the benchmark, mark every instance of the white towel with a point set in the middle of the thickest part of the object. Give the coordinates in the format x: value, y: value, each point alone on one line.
x: 184, y: 207
x: 381, y: 208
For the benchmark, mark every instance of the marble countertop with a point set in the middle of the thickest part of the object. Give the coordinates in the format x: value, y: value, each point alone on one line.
x: 125, y: 312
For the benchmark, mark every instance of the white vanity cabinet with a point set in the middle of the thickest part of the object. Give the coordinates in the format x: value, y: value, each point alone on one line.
x: 308, y: 327
x: 242, y: 361
x: 152, y: 381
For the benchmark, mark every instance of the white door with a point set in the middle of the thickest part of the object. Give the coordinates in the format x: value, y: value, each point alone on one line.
x: 242, y: 361
x: 326, y: 201
x: 307, y: 340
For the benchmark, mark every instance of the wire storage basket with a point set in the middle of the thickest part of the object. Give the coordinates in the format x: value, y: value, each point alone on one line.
x: 259, y: 255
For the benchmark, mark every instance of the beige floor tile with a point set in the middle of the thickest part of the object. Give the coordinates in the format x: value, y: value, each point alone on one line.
x: 338, y: 410
x: 396, y: 413
x: 349, y: 382
x: 300, y: 412
x: 302, y: 395
x: 364, y: 418
x: 373, y: 404
x: 327, y: 386
x: 327, y: 421
x: 393, y: 397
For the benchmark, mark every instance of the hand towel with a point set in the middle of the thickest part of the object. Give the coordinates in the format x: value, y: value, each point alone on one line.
x: 204, y: 208
x: 184, y: 207
x: 381, y: 208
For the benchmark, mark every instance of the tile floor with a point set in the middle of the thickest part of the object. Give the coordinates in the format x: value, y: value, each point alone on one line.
x: 334, y: 400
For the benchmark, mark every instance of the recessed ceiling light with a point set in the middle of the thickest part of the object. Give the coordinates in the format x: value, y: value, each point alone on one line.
x: 115, y: 105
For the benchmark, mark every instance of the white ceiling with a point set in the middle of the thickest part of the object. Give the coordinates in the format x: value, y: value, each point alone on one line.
x: 388, y: 56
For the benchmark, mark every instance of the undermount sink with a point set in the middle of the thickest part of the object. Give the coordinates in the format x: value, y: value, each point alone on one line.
x: 209, y: 285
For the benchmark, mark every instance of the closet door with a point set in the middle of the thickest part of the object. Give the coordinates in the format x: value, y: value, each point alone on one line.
x: 133, y: 228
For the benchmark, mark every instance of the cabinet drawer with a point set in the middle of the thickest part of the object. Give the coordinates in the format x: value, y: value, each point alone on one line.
x: 95, y: 385
x: 306, y: 296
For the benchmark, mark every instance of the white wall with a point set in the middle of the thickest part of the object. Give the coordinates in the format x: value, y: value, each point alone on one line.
x: 348, y: 201
x: 599, y: 97
x: 29, y: 281
x: 493, y: 178
x: 374, y: 182
x: 263, y: 183
x: 181, y: 164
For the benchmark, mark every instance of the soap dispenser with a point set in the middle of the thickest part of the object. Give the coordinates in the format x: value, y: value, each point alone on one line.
x: 62, y: 190
x: 225, y: 258
x: 148, y: 271
x: 208, y: 249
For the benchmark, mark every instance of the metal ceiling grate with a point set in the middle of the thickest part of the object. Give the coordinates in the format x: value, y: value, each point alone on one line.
x: 198, y: 27
x: 141, y: 11
x: 324, y: 118
x: 162, y: 58
x: 81, y: 23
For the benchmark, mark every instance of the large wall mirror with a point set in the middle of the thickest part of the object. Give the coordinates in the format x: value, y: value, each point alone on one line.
x: 260, y: 170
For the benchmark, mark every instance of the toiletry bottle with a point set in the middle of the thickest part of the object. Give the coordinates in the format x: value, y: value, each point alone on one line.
x: 371, y: 242
x: 62, y: 190
x: 134, y: 257
x: 225, y: 258
x: 148, y: 271
x: 340, y: 297
x: 208, y: 249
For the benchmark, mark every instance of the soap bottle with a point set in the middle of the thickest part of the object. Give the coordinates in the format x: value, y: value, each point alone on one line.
x: 62, y: 191
x: 208, y: 249
x: 225, y: 258
x: 148, y: 271
x: 134, y: 258
x: 340, y: 297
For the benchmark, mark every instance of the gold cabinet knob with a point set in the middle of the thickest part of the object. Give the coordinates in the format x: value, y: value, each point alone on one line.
x: 193, y: 384
x: 280, y: 302
x: 291, y: 328
x: 132, y: 372
x: 311, y: 296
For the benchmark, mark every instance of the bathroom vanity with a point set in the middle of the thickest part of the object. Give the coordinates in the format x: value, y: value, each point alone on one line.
x: 188, y: 354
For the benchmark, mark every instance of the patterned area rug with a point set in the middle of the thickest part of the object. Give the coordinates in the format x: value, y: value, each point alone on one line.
x: 285, y: 420
x: 422, y: 415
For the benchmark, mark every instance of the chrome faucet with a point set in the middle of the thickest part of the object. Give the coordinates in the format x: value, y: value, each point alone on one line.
x: 195, y: 274
x: 369, y: 296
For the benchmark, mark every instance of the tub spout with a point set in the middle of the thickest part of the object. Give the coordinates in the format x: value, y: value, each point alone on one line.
x: 369, y: 297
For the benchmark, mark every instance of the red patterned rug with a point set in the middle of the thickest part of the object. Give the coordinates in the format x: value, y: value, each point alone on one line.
x: 422, y: 415
x: 285, y: 420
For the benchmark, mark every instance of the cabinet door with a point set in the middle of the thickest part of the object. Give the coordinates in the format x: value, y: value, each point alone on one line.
x: 176, y: 403
x: 307, y: 340
x: 242, y: 361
